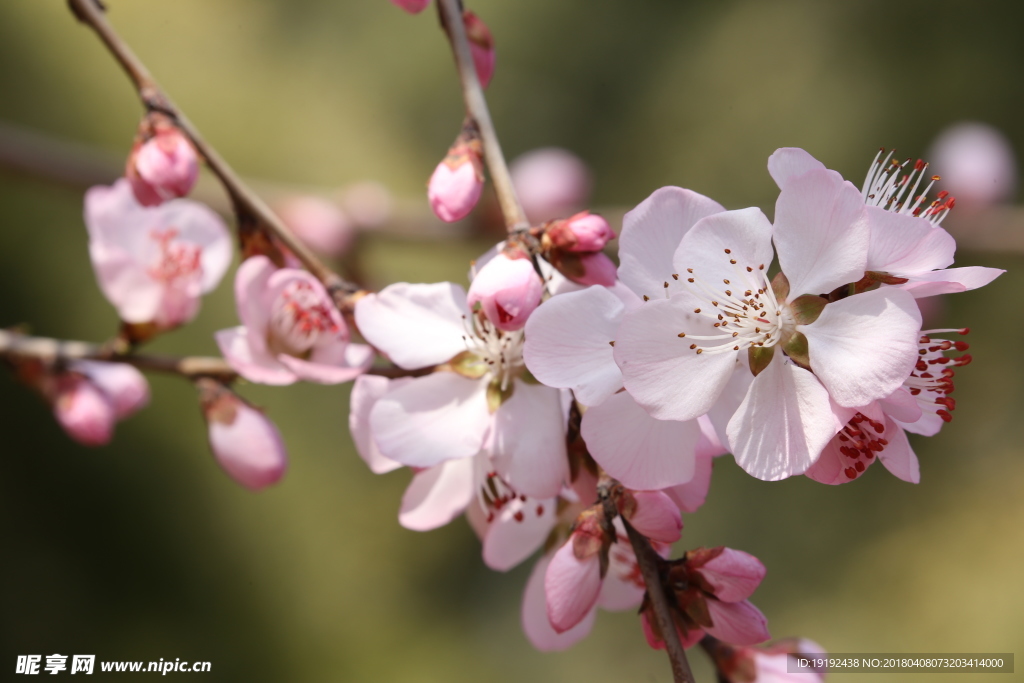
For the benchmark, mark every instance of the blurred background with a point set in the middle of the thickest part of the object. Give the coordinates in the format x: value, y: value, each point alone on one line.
x: 144, y: 549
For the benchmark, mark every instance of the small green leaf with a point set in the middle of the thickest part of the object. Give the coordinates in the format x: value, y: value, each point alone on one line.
x: 467, y: 364
x: 780, y: 286
x: 807, y: 308
x: 759, y: 357
x: 496, y: 396
x: 796, y: 349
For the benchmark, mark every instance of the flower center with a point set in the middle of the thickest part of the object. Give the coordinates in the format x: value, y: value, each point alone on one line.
x: 495, y: 495
x: 887, y: 186
x: 300, y: 316
x: 177, y: 263
x: 931, y: 382
x: 743, y: 309
x: 500, y: 352
x: 861, y: 439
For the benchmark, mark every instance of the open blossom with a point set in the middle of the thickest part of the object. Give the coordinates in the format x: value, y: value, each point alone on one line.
x: 714, y: 585
x: 154, y: 264
x: 243, y: 440
x: 476, y: 401
x: 91, y: 396
x: 720, y: 313
x: 290, y: 329
x: 163, y: 167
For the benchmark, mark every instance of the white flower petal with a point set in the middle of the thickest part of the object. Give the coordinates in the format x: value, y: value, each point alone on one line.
x: 437, y: 495
x: 529, y: 440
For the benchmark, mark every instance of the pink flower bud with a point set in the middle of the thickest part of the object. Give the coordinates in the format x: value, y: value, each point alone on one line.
x: 551, y: 183
x: 481, y: 44
x: 976, y: 163
x: 733, y: 575
x: 456, y: 184
x: 318, y: 223
x: 84, y: 411
x: 582, y: 233
x: 654, y: 514
x: 598, y: 269
x: 508, y: 290
x: 411, y: 6
x: 164, y: 167
x: 572, y: 586
x: 124, y: 386
x: 245, y: 443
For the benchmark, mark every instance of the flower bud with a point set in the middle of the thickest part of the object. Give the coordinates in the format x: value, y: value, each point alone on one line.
x: 976, y: 163
x: 245, y: 443
x: 508, y: 290
x: 411, y: 6
x: 123, y: 385
x: 163, y: 167
x: 481, y: 45
x: 457, y: 182
x: 551, y: 183
x: 83, y: 410
x: 581, y: 233
x: 598, y: 269
x: 318, y: 223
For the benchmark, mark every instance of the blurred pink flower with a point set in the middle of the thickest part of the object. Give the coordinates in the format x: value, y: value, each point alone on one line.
x: 92, y: 396
x: 551, y: 183
x: 411, y: 6
x: 320, y: 224
x: 163, y: 167
x: 977, y: 163
x: 243, y: 440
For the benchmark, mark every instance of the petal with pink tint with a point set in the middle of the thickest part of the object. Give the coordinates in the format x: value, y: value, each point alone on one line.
x: 733, y: 574
x: 571, y: 586
x: 905, y: 245
x: 529, y: 440
x: 783, y: 423
x: 249, y: 447
x: 332, y: 362
x: 248, y: 356
x: 791, y: 162
x: 85, y: 412
x: 438, y: 417
x: 656, y: 516
x: 124, y: 386
x: 737, y: 623
x: 535, y: 615
x: 453, y: 192
x: 929, y: 424
x: 251, y: 284
x: 721, y: 247
x: 863, y: 347
x: 951, y: 281
x: 568, y: 343
x: 411, y: 6
x: 365, y: 392
x: 598, y: 269
x: 821, y: 232
x: 640, y: 451
x: 691, y: 495
x: 830, y: 467
x: 437, y: 495
x: 415, y: 325
x: 898, y: 456
x: 688, y: 639
x: 198, y: 225
x: 901, y: 406
x: 519, y: 530
x: 658, y: 368
x: 651, y: 233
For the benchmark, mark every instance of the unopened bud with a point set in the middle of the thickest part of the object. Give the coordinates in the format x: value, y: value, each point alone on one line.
x: 84, y: 412
x: 411, y: 6
x: 481, y: 45
x: 319, y: 223
x: 551, y: 183
x: 976, y: 162
x: 123, y: 385
x: 163, y: 167
x: 457, y: 182
x: 581, y: 233
x: 245, y: 443
x: 508, y: 290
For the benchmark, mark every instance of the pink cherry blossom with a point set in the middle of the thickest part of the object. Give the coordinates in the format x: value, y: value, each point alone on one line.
x: 154, y: 264
x: 245, y: 443
x: 476, y: 401
x: 977, y: 163
x: 411, y: 6
x: 290, y: 329
x: 481, y: 45
x: 551, y: 183
x: 164, y: 167
x: 318, y: 223
x: 508, y: 290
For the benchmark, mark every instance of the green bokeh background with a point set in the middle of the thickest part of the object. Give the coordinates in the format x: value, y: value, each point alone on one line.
x: 144, y: 549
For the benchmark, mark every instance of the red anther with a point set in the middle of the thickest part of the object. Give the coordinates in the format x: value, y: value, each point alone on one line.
x: 939, y: 361
x: 883, y: 442
x: 490, y: 517
x: 936, y: 177
x: 964, y: 359
x: 522, y: 497
x: 860, y: 466
x: 942, y: 195
x: 879, y: 427
x: 947, y: 401
x: 951, y: 203
x: 914, y: 392
x: 518, y: 515
x: 946, y: 417
x: 961, y: 346
x: 851, y: 473
x: 965, y: 330
x: 540, y: 510
x: 926, y: 375
x: 849, y: 452
x: 843, y: 437
x: 924, y: 339
x: 876, y: 446
x: 919, y: 166
x: 858, y: 418
x: 870, y: 456
x: 921, y: 366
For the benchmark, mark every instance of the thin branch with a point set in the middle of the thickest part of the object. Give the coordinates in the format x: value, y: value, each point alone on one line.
x: 476, y: 108
x: 16, y: 346
x: 247, y: 202
x: 650, y: 563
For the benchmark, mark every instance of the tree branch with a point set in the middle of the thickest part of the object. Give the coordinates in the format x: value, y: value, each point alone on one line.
x: 246, y: 202
x: 476, y: 108
x: 18, y: 346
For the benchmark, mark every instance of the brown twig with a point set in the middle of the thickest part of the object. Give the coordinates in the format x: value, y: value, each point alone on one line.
x: 16, y: 346
x: 248, y: 204
x: 476, y: 108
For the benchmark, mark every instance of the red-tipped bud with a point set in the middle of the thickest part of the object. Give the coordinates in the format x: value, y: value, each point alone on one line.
x: 508, y: 290
x: 319, y: 223
x: 245, y: 443
x: 457, y: 182
x: 582, y: 233
x: 411, y: 6
x: 83, y: 410
x: 163, y: 167
x: 481, y: 44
